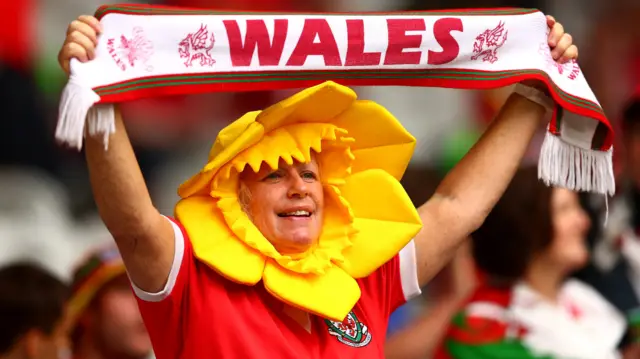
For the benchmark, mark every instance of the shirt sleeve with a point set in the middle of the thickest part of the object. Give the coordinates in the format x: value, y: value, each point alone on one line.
x: 395, y: 282
x: 164, y: 309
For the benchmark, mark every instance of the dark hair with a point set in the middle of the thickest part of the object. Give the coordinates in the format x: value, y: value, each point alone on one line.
x: 518, y: 227
x: 30, y: 298
x: 631, y: 115
x: 80, y: 328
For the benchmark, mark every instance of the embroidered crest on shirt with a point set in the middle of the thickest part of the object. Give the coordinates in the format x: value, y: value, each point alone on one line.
x: 488, y: 43
x: 350, y: 331
x: 197, y: 46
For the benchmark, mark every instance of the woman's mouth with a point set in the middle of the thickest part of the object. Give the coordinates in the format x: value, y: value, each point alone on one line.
x: 297, y: 213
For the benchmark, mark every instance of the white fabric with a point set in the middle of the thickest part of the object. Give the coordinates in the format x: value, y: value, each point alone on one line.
x: 487, y: 310
x: 36, y: 225
x: 159, y: 55
x: 631, y: 252
x: 173, y: 274
x: 535, y: 95
x: 606, y: 251
x: 619, y: 239
x: 409, y: 272
x: 554, y: 331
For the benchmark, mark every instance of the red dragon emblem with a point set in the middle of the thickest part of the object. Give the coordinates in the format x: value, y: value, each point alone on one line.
x: 128, y: 51
x: 197, y: 46
x: 488, y: 43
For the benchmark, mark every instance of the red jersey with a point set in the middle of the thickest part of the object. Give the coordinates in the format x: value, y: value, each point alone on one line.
x: 200, y: 314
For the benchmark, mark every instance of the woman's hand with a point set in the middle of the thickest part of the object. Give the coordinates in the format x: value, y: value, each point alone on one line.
x: 560, y: 42
x: 561, y: 46
x: 81, y: 41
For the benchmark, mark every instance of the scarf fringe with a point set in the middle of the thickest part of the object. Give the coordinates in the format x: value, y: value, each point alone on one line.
x: 564, y: 165
x: 76, y: 107
x: 101, y: 122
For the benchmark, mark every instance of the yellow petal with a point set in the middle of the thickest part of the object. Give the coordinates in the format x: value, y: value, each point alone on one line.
x: 220, y: 154
x: 214, y: 244
x: 331, y: 295
x: 230, y: 134
x: 380, y: 140
x: 319, y: 103
x: 388, y: 158
x: 385, y: 220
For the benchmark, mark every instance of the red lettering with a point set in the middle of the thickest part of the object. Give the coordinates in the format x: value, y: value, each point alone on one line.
x: 575, y: 70
x: 257, y: 36
x: 399, y: 40
x: 450, y: 47
x: 355, y: 48
x: 306, y: 46
x: 114, y: 54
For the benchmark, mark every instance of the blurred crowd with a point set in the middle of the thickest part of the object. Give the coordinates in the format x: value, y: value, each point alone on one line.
x: 64, y: 291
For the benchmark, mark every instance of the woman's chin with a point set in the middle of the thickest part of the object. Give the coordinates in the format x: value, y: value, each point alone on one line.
x: 576, y: 261
x: 295, y: 244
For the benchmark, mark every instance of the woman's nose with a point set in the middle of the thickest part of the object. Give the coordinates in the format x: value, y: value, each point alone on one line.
x: 297, y: 186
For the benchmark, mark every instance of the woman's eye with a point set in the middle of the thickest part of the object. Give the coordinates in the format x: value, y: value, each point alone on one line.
x: 309, y: 175
x: 273, y: 176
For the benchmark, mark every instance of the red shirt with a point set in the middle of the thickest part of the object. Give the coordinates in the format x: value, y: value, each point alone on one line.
x: 201, y: 315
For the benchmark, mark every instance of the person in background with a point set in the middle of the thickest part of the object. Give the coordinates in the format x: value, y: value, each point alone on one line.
x: 528, y: 307
x: 31, y: 311
x: 615, y: 266
x: 102, y: 314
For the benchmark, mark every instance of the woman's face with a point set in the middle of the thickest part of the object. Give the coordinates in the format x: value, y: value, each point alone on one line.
x: 287, y: 204
x: 570, y: 225
x: 119, y: 327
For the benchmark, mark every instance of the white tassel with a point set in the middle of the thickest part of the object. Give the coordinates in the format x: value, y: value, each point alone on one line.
x: 101, y: 122
x: 76, y: 107
x: 575, y: 168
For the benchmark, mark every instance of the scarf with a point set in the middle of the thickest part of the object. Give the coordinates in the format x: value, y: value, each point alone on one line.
x: 153, y: 51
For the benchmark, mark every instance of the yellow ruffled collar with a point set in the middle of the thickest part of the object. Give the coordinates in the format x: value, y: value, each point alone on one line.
x: 368, y: 216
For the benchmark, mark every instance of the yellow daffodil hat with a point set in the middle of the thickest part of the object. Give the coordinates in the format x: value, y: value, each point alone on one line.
x: 362, y: 151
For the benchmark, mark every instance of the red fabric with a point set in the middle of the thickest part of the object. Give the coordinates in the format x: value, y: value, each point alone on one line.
x: 16, y: 33
x: 207, y: 316
x: 257, y: 5
x: 480, y: 330
x: 486, y: 293
x: 634, y: 67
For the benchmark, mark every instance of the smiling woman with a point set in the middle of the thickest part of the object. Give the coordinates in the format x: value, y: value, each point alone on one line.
x: 292, y: 187
x: 296, y: 239
x: 286, y: 204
